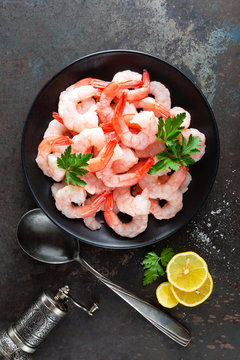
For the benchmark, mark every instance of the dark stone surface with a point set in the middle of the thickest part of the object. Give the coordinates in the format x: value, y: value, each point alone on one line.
x: 39, y: 38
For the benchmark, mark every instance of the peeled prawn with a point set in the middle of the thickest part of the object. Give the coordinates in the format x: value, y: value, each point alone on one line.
x: 178, y: 110
x: 160, y: 93
x: 194, y: 132
x: 146, y: 120
x: 47, y: 161
x: 67, y: 108
x: 164, y: 190
x: 88, y: 138
x: 174, y: 204
x: 70, y: 195
x: 128, y: 204
x: 137, y: 225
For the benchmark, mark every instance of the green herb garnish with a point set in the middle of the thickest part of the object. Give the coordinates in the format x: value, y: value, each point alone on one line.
x: 177, y: 153
x: 74, y: 166
x: 152, y: 267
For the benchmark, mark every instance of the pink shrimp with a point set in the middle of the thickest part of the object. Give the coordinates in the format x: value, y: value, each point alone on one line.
x: 132, y: 205
x: 104, y: 109
x: 151, y: 150
x: 47, y: 161
x: 91, y: 222
x: 178, y: 110
x: 67, y: 108
x: 137, y: 225
x: 88, y: 138
x: 94, y: 185
x: 160, y: 190
x: 69, y: 195
x: 100, y: 162
x: 142, y: 92
x: 160, y: 93
x: 146, y: 120
x: 128, y: 179
x: 194, y: 132
x: 173, y: 205
x: 55, y: 128
x: 151, y: 104
x: 127, y: 161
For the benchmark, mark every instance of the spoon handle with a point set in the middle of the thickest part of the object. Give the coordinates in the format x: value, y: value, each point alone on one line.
x: 158, y: 318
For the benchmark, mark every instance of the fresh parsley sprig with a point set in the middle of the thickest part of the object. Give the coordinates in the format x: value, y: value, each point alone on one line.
x: 74, y: 166
x: 152, y: 267
x: 177, y: 152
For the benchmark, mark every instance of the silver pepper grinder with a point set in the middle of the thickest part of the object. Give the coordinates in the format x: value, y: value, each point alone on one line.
x: 23, y: 337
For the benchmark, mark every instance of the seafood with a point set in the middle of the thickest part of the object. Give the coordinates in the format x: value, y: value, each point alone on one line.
x: 67, y: 108
x: 174, y: 204
x: 128, y: 204
x: 160, y: 93
x: 116, y: 121
x: 48, y: 151
x: 146, y: 120
x: 69, y: 195
x: 137, y: 225
x: 187, y: 132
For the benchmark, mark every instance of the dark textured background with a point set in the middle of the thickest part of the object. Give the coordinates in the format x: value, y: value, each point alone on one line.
x: 39, y: 38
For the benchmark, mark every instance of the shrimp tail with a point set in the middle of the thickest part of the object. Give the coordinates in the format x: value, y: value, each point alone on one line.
x: 89, y: 210
x: 109, y: 202
x: 101, y: 161
x: 57, y: 117
x: 47, y: 143
x: 130, y: 84
x: 144, y: 168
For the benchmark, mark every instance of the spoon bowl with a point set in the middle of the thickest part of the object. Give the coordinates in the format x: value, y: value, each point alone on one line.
x: 42, y: 240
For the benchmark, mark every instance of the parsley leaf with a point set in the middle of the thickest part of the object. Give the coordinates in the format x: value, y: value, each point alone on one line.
x: 151, y: 266
x: 74, y: 166
x: 177, y: 152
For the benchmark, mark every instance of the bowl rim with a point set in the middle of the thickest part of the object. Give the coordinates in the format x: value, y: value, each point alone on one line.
x: 214, y: 123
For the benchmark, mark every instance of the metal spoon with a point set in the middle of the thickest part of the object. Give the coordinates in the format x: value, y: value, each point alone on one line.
x: 41, y: 239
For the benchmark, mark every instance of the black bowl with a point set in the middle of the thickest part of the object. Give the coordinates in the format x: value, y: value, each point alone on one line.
x: 183, y: 93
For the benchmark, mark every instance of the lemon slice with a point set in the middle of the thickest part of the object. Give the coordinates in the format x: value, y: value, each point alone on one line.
x: 187, y: 271
x: 165, y: 296
x: 196, y: 297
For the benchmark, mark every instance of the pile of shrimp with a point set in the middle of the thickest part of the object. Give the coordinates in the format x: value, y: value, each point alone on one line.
x: 117, y: 121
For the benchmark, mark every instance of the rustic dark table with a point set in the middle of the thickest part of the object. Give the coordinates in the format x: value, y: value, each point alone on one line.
x: 39, y: 38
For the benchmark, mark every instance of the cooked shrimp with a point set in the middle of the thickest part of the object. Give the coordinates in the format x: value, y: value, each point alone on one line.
x: 160, y: 93
x: 55, y: 128
x: 178, y: 110
x: 67, y: 108
x: 104, y: 108
x: 173, y: 205
x: 128, y: 204
x: 100, y: 162
x: 146, y: 120
x: 70, y: 195
x: 137, y: 225
x: 57, y: 186
x: 126, y: 75
x: 88, y: 138
x: 91, y: 222
x: 142, y: 92
x: 94, y: 185
x: 151, y: 104
x: 194, y: 132
x: 160, y: 190
x: 111, y: 179
x: 86, y: 105
x: 47, y: 161
x: 184, y: 187
x: 128, y: 160
x: 151, y: 150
